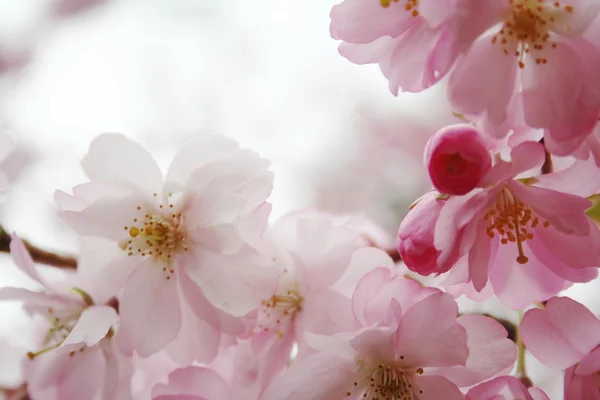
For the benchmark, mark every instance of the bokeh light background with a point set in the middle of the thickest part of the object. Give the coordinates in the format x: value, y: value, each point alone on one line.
x: 263, y: 72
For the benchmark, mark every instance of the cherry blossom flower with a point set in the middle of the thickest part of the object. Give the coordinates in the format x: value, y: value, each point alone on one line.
x: 193, y: 236
x: 505, y: 387
x: 415, y: 235
x: 410, y: 346
x: 320, y: 263
x: 538, y: 53
x: 457, y: 157
x: 410, y: 40
x: 79, y: 359
x: 521, y: 234
x: 566, y: 335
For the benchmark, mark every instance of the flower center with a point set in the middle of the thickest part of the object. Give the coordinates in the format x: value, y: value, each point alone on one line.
x: 61, y: 323
x: 385, y: 382
x: 513, y: 220
x: 409, y: 5
x: 156, y: 233
x: 526, y: 29
x: 280, y: 309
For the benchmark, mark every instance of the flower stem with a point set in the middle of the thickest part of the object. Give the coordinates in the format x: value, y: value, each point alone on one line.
x: 521, y: 370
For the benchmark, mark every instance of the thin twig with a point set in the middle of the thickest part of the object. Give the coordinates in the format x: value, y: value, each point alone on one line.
x: 39, y: 255
x: 548, y: 167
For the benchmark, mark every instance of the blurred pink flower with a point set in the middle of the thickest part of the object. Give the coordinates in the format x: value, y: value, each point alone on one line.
x: 457, y: 157
x: 410, y: 40
x: 410, y: 345
x: 507, y: 388
x: 79, y: 358
x: 194, y: 236
x: 530, y: 240
x: 566, y: 335
x: 193, y: 383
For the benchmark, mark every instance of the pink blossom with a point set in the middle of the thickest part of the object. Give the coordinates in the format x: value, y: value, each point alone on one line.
x: 391, y: 32
x: 527, y: 237
x: 537, y: 52
x: 565, y: 335
x: 194, y: 236
x: 78, y: 358
x: 193, y: 383
x: 505, y: 387
x: 415, y: 235
x: 410, y: 345
x: 320, y: 264
x: 457, y: 157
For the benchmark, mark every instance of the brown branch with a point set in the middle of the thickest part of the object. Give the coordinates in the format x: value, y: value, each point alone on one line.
x: 548, y: 166
x: 39, y: 255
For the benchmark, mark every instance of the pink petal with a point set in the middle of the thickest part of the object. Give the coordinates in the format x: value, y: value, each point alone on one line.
x: 490, y: 351
x: 149, y: 309
x: 562, y: 334
x: 564, y: 211
x: 203, y: 149
x: 578, y: 387
x: 92, y: 326
x: 115, y: 158
x: 551, y: 89
x: 569, y: 250
x: 429, y: 335
x: 590, y: 364
x: 359, y: 21
x: 527, y: 156
x: 196, y: 340
x: 325, y: 250
x: 436, y: 388
x: 517, y: 285
x: 375, y: 343
x: 81, y: 380
x: 205, y: 310
x: 198, y: 382
x: 105, y: 218
x: 366, y: 290
x: 479, y: 258
x: 236, y: 284
x: 484, y: 81
x: 317, y: 377
x: 571, y: 180
x: 363, y: 261
x: 23, y: 260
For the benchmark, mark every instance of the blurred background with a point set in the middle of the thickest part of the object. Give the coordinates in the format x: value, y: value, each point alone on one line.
x: 264, y: 72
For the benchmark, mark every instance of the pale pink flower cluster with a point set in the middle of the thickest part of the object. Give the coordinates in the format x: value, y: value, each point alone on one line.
x: 185, y: 289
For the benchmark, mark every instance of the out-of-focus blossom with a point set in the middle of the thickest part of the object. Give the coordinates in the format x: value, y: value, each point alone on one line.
x: 193, y: 236
x: 566, y: 335
x: 530, y: 241
x: 78, y: 357
x: 415, y: 236
x: 537, y: 55
x: 410, y: 40
x: 457, y: 158
x: 411, y: 345
x: 193, y: 383
x: 507, y: 388
x: 320, y: 264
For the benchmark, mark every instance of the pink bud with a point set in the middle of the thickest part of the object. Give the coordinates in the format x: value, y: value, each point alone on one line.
x: 457, y: 157
x: 415, y: 236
